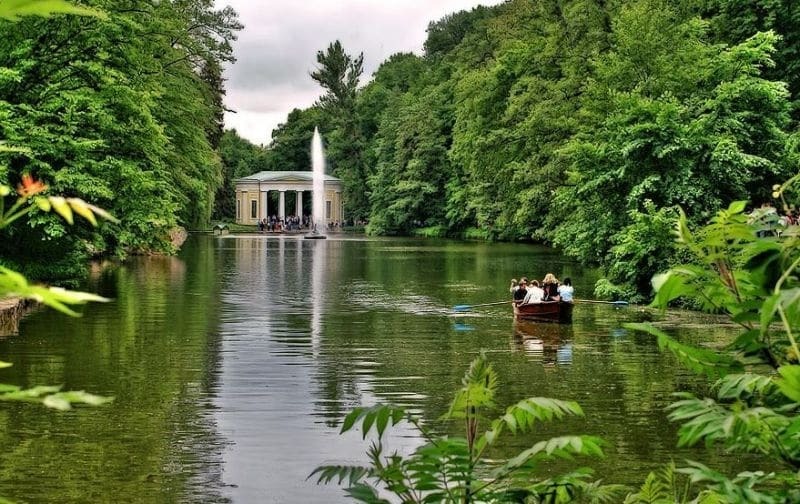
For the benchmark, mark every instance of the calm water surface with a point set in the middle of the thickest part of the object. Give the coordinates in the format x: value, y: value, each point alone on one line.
x: 233, y: 364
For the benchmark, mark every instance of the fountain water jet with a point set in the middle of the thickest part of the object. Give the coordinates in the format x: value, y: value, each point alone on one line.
x: 317, y: 223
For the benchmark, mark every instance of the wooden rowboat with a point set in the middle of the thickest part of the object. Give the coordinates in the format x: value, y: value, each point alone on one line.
x: 546, y: 311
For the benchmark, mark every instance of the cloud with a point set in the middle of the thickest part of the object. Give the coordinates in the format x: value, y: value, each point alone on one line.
x: 277, y: 49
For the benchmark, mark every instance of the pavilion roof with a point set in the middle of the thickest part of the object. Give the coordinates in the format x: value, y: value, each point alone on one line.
x: 284, y: 176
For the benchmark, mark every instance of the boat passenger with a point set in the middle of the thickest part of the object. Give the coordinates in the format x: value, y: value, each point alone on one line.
x: 535, y: 293
x: 522, y: 290
x: 565, y: 290
x: 514, y: 286
x: 550, y: 286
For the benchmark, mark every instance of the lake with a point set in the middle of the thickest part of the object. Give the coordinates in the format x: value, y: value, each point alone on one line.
x: 233, y: 364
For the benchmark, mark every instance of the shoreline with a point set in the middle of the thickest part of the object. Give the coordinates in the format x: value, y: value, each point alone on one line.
x: 12, y: 310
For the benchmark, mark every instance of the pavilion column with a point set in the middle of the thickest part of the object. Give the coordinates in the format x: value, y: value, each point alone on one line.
x: 298, y: 207
x: 264, y: 213
x: 282, y: 205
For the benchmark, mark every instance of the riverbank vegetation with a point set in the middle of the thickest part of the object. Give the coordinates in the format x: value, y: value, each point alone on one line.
x: 124, y: 111
x: 751, y: 409
x: 581, y: 124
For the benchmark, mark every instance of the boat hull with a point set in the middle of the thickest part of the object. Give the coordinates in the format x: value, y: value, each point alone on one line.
x: 546, y: 311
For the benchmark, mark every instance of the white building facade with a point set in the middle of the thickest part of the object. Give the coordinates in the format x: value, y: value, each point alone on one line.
x: 255, y: 197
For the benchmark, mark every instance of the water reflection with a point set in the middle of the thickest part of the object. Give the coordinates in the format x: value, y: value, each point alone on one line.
x: 277, y: 405
x: 234, y: 364
x: 547, y: 343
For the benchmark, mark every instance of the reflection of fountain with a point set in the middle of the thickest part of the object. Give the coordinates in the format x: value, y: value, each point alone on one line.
x: 317, y: 286
x: 318, y: 201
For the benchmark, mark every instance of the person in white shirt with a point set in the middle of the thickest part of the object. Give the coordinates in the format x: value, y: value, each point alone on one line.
x: 535, y: 293
x: 565, y: 290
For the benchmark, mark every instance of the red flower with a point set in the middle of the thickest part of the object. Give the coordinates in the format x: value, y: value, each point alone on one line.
x: 30, y: 187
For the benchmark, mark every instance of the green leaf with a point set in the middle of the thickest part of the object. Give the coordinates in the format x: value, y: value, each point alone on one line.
x: 737, y: 207
x: 351, y: 419
x: 789, y: 382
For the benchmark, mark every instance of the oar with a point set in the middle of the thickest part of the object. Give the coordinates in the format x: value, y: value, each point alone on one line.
x: 467, y: 307
x: 618, y: 303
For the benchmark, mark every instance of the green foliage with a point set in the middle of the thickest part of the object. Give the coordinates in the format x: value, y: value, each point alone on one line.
x: 753, y: 279
x: 339, y: 73
x: 642, y: 248
x: 122, y: 110
x: 29, y: 191
x: 654, y: 122
x: 241, y: 158
x: 735, y: 21
x: 13, y: 284
x: 661, y: 487
x: 431, y: 232
x: 582, y: 124
x: 457, y: 469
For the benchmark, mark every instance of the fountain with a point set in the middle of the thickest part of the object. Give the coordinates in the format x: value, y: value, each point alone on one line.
x: 317, y: 222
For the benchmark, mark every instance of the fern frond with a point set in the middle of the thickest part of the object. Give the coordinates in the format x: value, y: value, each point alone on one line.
x: 351, y: 474
x: 746, y: 429
x: 478, y: 391
x: 380, y: 415
x: 654, y: 490
x: 744, y: 386
x: 521, y: 416
x: 362, y: 492
x: 742, y: 488
x: 565, y: 447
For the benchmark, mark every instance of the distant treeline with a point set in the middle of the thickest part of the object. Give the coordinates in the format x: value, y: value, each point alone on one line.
x: 579, y: 123
x: 124, y: 111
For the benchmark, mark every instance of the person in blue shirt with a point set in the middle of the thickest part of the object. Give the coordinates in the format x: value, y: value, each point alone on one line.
x: 565, y: 290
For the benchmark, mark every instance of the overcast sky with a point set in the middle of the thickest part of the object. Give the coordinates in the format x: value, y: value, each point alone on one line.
x: 277, y: 49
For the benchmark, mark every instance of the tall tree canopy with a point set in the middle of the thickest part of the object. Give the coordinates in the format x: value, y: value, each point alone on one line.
x: 123, y: 111
x: 582, y: 124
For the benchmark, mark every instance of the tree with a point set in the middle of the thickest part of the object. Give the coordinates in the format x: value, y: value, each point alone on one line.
x: 116, y: 111
x: 239, y: 158
x: 669, y: 120
x: 339, y: 73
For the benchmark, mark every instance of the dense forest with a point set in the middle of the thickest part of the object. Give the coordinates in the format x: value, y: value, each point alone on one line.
x: 583, y: 124
x: 122, y: 109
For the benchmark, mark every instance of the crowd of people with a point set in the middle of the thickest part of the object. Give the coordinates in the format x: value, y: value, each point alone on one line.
x: 273, y: 223
x: 550, y: 289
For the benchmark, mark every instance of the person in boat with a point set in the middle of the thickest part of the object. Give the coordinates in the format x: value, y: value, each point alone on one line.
x: 514, y: 286
x: 565, y: 290
x: 550, y: 287
x: 522, y: 290
x: 535, y: 293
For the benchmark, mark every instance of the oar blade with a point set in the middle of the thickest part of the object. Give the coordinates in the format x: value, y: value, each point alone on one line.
x: 462, y: 307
